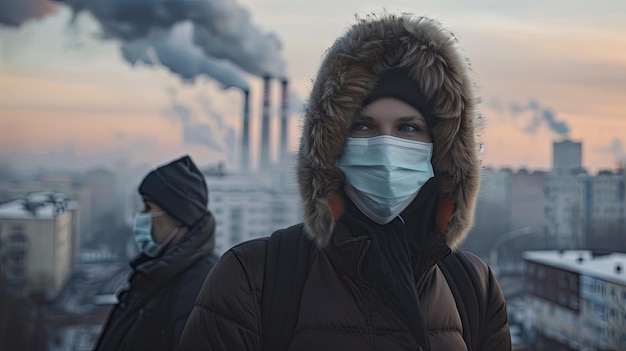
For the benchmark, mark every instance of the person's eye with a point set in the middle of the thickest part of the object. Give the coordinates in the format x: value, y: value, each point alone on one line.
x: 360, y: 127
x: 410, y: 128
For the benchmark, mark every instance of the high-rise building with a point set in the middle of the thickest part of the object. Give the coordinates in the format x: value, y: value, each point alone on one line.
x: 104, y: 200
x: 527, y: 200
x: 36, y: 243
x: 604, y: 199
x: 79, y: 206
x: 564, y: 210
x: 566, y: 155
x: 576, y: 300
x: 247, y: 207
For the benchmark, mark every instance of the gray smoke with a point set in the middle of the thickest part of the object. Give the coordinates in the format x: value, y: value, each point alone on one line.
x: 227, y: 132
x: 221, y: 28
x: 179, y: 112
x: 540, y: 116
x: 200, y: 134
x: 616, y: 148
x: 15, y: 12
x: 559, y: 127
x: 246, y: 46
x: 174, y: 50
x: 214, y: 134
x: 133, y: 143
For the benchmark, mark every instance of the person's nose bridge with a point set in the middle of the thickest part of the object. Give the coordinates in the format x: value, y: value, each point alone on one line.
x: 386, y: 128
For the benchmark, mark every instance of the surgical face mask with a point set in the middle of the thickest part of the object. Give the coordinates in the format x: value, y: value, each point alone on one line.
x: 385, y: 173
x: 142, y: 229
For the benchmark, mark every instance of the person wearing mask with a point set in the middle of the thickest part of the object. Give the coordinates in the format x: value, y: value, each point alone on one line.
x: 175, y: 234
x: 388, y: 171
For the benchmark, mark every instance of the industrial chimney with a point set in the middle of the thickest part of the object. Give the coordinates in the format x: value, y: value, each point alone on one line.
x: 245, y: 142
x: 265, y: 127
x: 284, y: 115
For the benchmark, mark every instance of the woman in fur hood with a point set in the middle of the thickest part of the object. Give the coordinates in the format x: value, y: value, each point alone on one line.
x: 388, y: 172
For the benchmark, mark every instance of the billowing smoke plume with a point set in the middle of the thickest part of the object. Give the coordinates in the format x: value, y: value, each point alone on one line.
x: 221, y: 28
x: 245, y: 45
x: 540, y: 116
x: 214, y: 133
x: 227, y: 132
x: 174, y: 50
x: 200, y: 134
x: 616, y: 149
x: 193, y: 131
x: 15, y: 12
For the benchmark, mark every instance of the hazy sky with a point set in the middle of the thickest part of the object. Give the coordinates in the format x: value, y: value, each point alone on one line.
x: 70, y: 97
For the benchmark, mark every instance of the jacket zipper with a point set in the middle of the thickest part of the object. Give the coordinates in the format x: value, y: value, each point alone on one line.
x: 415, y: 344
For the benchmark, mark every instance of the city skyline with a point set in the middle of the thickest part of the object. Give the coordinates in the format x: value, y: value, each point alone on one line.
x: 546, y: 72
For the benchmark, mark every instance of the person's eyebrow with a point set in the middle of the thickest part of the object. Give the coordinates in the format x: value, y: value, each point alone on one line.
x: 412, y: 118
x: 360, y: 117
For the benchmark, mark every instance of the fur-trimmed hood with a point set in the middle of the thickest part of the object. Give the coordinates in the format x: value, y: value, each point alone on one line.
x: 348, y: 73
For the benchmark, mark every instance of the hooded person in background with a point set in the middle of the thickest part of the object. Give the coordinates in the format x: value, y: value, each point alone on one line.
x: 175, y: 235
x: 388, y: 172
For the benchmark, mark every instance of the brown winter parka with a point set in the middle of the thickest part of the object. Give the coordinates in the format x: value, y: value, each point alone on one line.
x: 359, y: 295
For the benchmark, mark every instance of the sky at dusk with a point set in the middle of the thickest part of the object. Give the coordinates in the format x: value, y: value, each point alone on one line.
x: 88, y: 90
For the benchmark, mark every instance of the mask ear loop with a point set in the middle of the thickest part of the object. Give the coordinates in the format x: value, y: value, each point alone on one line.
x: 170, y: 236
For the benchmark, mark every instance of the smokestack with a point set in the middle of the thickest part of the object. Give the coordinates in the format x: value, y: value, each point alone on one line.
x: 284, y: 115
x: 265, y: 128
x: 245, y: 142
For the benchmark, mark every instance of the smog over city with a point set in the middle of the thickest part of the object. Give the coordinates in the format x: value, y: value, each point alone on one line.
x: 96, y: 94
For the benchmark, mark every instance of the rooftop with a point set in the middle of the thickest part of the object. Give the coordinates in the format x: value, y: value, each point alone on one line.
x: 41, y: 205
x: 583, y: 262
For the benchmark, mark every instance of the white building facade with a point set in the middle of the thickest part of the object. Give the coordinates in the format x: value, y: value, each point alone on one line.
x: 247, y: 207
x: 605, y: 207
x: 36, y: 243
x: 576, y: 300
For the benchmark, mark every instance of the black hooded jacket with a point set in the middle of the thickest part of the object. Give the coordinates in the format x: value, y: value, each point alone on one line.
x: 152, y: 312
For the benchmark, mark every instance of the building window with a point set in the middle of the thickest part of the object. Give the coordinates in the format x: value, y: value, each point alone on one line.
x: 541, y: 291
x: 562, y: 298
x: 14, y: 255
x: 541, y: 272
x: 552, y: 294
x: 573, y: 302
x: 573, y: 283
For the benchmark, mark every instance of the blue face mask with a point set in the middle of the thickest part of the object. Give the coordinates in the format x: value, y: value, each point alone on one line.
x: 385, y: 173
x: 142, y: 229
